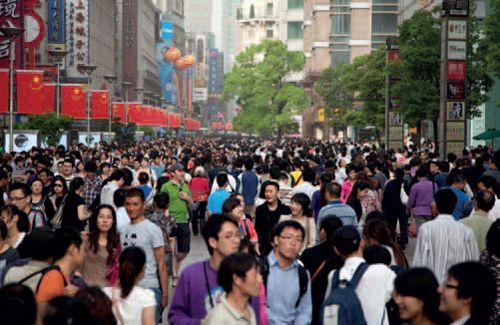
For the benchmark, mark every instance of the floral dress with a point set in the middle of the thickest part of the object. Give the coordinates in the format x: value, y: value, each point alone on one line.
x: 166, y: 223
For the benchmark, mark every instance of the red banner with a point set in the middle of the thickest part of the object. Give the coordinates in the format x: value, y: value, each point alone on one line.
x: 4, y: 91
x: 217, y: 125
x: 118, y: 111
x: 73, y: 101
x: 29, y: 91
x: 48, y: 95
x: 99, y: 101
x: 174, y: 120
x: 134, y: 113
x: 228, y: 126
x: 457, y: 70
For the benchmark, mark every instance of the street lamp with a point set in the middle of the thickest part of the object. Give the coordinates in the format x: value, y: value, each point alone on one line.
x: 59, y: 56
x: 139, y: 92
x: 11, y: 33
x: 110, y: 79
x: 125, y: 85
x: 88, y: 70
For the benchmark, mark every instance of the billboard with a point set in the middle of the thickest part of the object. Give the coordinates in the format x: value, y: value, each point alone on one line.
x: 165, y: 67
x: 457, y: 29
x: 10, y: 16
x: 77, y: 37
x: 56, y: 33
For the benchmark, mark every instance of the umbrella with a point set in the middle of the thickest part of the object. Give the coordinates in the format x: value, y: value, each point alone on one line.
x: 488, y: 135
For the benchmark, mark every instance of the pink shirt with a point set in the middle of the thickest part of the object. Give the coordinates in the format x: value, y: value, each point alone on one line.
x: 346, y: 191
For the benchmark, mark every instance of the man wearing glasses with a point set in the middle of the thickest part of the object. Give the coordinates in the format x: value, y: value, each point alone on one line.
x: 19, y: 195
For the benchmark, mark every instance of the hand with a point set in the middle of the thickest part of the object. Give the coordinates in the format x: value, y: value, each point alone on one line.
x: 70, y: 290
x: 183, y: 196
x: 164, y: 300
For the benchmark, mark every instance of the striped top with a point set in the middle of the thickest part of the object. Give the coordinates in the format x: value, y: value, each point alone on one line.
x: 442, y: 243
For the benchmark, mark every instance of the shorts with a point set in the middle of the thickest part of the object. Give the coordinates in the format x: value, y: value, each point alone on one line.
x: 183, y: 238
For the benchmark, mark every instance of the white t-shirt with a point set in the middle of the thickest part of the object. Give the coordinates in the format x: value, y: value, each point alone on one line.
x: 131, y: 308
x: 122, y: 218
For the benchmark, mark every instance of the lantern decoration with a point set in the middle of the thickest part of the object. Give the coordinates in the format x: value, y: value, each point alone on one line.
x: 190, y: 60
x: 181, y: 64
x: 172, y: 54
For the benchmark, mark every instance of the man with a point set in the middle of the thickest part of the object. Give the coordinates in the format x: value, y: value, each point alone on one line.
x: 444, y: 170
x: 45, y: 176
x: 19, y: 195
x: 19, y: 169
x: 443, y: 242
x: 68, y: 255
x: 489, y: 183
x: 216, y: 199
x: 67, y: 170
x: 116, y: 181
x: 469, y: 294
x: 420, y: 199
x: 4, y: 182
x: 320, y: 260
x: 296, y: 174
x: 376, y: 284
x: 125, y: 162
x: 286, y: 304
x: 92, y: 183
x: 306, y: 187
x: 180, y: 203
x: 156, y: 165
x: 376, y: 169
x: 285, y: 193
x: 148, y: 236
x: 494, y: 164
x: 335, y: 207
x: 462, y: 208
x: 197, y: 291
x: 478, y: 221
x: 249, y: 185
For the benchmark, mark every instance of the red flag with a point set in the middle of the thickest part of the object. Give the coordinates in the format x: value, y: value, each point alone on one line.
x: 228, y: 126
x: 174, y: 121
x: 4, y: 91
x: 48, y: 92
x: 99, y: 100
x: 73, y: 101
x: 134, y: 113
x: 118, y: 110
x: 29, y: 92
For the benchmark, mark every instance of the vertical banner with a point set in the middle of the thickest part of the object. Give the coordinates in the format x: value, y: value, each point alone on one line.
x: 118, y: 111
x: 48, y: 97
x: 73, y: 101
x: 165, y: 67
x: 4, y: 91
x: 29, y: 92
x: 99, y: 104
x: 394, y: 128
x: 56, y: 36
x: 134, y: 113
x: 11, y: 16
x: 130, y: 31
x: 77, y: 37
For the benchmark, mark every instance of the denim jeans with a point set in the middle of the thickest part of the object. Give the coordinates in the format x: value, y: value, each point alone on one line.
x: 157, y: 292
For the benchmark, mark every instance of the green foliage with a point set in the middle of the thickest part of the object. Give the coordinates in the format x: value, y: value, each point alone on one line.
x: 124, y: 135
x: 147, y: 130
x: 492, y: 37
x: 49, y: 125
x: 258, y: 81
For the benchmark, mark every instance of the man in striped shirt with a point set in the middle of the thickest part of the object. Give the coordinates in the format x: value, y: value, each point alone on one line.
x: 335, y: 207
x: 443, y: 241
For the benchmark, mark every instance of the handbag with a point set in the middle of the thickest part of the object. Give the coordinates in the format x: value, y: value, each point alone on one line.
x: 412, y: 228
x: 402, y: 195
x: 113, y: 272
x: 57, y: 219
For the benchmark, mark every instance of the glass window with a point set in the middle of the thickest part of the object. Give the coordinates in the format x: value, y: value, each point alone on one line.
x: 339, y: 58
x: 384, y: 23
x: 295, y: 30
x: 385, y: 1
x: 252, y: 11
x: 270, y: 9
x: 293, y: 4
x: 339, y: 2
x: 269, y: 33
x: 341, y: 24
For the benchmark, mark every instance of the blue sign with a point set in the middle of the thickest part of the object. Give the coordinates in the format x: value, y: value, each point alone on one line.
x: 165, y: 67
x: 167, y: 30
x: 56, y: 25
x: 213, y: 71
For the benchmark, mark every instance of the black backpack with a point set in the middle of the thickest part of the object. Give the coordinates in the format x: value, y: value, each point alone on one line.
x: 43, y: 271
x: 303, y: 277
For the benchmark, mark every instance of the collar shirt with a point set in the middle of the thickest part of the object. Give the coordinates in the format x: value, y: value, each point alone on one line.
x: 224, y: 313
x: 461, y: 321
x: 480, y: 225
x: 91, y: 189
x: 421, y: 197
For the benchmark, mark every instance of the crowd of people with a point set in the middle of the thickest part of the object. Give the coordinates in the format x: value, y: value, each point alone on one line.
x: 297, y: 231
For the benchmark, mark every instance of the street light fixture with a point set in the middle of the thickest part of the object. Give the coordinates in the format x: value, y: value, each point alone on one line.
x: 59, y: 56
x: 11, y: 33
x: 88, y: 70
x: 125, y: 85
x: 110, y: 79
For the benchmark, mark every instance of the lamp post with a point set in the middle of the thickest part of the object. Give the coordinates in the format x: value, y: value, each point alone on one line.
x: 125, y: 85
x: 139, y: 92
x: 59, y: 56
x: 88, y: 70
x: 11, y: 33
x: 110, y: 79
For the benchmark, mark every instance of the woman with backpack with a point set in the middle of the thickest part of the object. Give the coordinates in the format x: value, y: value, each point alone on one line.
x: 39, y: 200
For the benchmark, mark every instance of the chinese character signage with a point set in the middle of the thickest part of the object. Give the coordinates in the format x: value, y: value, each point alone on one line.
x: 55, y: 22
x: 10, y: 16
x: 457, y: 29
x: 77, y: 37
x: 129, y: 26
x: 213, y: 71
x: 456, y: 70
x: 456, y: 50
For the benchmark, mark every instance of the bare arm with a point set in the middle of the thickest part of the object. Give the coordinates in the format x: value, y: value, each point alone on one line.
x: 82, y: 212
x: 162, y: 272
x: 149, y: 315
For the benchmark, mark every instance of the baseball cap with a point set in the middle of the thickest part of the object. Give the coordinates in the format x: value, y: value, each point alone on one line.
x: 175, y: 167
x: 346, y: 239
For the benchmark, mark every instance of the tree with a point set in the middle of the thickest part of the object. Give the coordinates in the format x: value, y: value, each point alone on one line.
x: 259, y: 83
x: 49, y: 125
x: 124, y: 134
x: 492, y: 37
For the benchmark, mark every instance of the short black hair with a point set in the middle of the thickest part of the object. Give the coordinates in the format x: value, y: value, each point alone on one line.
x: 248, y: 163
x: 143, y: 178
x: 17, y: 304
x: 91, y: 166
x: 422, y: 172
x: 280, y: 227
x: 213, y: 226
x: 475, y: 281
x: 308, y: 175
x: 444, y: 166
x: 377, y: 254
x: 485, y: 200
x: 20, y: 186
x: 489, y: 182
x: 135, y: 192
x: 119, y: 197
x: 37, y: 245
x: 236, y: 264
x: 221, y: 179
x: 347, y: 240
x: 330, y: 224
x: 75, y: 184
x: 161, y: 200
x: 493, y: 239
x: 445, y: 201
x: 63, y: 238
x: 333, y: 189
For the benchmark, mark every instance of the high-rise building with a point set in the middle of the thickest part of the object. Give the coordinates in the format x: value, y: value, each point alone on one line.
x: 198, y: 16
x: 258, y: 20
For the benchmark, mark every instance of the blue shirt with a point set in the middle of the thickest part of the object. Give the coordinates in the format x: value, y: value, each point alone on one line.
x: 216, y: 199
x: 282, y: 295
x: 344, y: 212
x: 249, y: 184
x: 461, y: 206
x: 145, y: 189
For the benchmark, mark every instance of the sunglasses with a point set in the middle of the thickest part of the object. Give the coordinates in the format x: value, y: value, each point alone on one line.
x: 58, y: 185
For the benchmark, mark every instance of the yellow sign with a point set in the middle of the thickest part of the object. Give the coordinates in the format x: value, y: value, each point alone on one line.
x: 321, y: 114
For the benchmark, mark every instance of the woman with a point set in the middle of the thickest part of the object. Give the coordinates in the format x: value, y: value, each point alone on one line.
x: 131, y: 303
x: 17, y: 225
x: 80, y: 170
x: 104, y: 170
x: 75, y: 213
x: 348, y: 184
x: 491, y: 258
x: 378, y: 232
x: 39, y: 200
x: 359, y: 191
x: 8, y: 254
x: 371, y: 201
x: 60, y: 189
x: 102, y: 248
x: 145, y: 168
x: 200, y: 189
x: 393, y: 208
x: 416, y: 296
x: 234, y: 206
x: 302, y: 213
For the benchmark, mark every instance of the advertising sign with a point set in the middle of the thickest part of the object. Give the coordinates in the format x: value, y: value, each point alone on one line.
x: 457, y: 50
x: 458, y: 8
x: 55, y: 22
x: 200, y: 95
x: 95, y: 138
x: 455, y: 147
x: 213, y: 70
x: 395, y: 133
x: 395, y: 118
x: 457, y: 70
x: 456, y: 111
x: 457, y: 29
x: 77, y: 37
x: 455, y: 131
x: 165, y: 67
x: 456, y: 90
x: 24, y: 140
x: 129, y: 26
x: 10, y: 16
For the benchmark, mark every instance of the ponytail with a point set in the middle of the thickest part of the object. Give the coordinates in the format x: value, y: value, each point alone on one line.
x: 132, y: 262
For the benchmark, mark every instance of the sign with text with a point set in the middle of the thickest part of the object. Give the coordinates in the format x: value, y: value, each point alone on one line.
x: 55, y: 22
x: 455, y: 131
x: 457, y: 50
x: 457, y: 29
x: 457, y: 70
x: 77, y: 37
x: 10, y: 16
x: 458, y: 8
